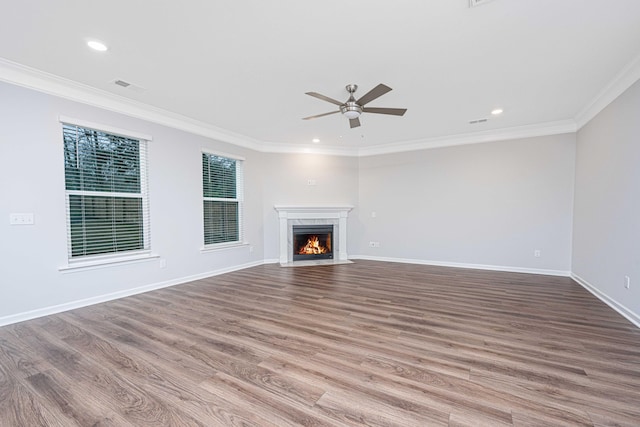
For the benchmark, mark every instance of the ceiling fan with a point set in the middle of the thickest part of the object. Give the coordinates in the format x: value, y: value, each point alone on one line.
x: 352, y: 108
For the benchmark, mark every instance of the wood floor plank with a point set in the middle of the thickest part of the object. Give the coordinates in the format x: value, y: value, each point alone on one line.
x: 338, y: 381
x: 266, y: 404
x: 81, y: 383
x: 557, y: 403
x: 350, y: 409
x: 368, y: 343
x: 21, y: 407
x: 61, y: 396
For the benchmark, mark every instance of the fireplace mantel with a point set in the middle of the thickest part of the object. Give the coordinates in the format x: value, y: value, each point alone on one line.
x: 302, y: 214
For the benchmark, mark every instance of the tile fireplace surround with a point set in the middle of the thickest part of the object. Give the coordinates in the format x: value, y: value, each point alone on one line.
x: 312, y: 215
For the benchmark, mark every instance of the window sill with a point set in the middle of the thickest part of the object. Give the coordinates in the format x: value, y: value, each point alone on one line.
x: 222, y: 246
x: 83, y: 265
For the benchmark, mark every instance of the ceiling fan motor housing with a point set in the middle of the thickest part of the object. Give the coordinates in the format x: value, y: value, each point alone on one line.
x: 351, y: 109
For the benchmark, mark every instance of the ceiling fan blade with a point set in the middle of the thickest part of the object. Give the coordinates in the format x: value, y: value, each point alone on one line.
x: 324, y: 98
x: 374, y: 93
x: 354, y: 123
x: 392, y: 111
x: 320, y: 115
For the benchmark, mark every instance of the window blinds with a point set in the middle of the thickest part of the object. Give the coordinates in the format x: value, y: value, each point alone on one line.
x: 106, y: 192
x: 222, y: 193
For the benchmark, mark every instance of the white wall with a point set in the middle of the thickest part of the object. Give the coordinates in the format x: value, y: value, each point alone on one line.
x: 488, y: 204
x: 285, y: 182
x: 32, y: 180
x: 606, y: 228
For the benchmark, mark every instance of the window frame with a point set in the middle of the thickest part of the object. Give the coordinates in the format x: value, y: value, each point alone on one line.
x: 239, y: 199
x: 125, y: 256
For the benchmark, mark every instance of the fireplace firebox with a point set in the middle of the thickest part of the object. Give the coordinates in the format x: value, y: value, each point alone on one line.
x: 312, y: 242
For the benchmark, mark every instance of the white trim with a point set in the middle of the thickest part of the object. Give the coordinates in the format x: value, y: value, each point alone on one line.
x: 105, y: 261
x: 620, y: 308
x: 222, y: 246
x: 46, y: 311
x: 31, y: 78
x: 509, y: 269
x: 104, y: 128
x: 620, y: 83
x: 105, y: 194
x: 303, y: 212
x: 529, y: 131
x: 276, y: 148
x: 21, y: 75
x: 20, y: 317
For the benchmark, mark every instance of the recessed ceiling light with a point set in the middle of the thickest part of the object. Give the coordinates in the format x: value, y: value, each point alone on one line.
x: 315, y: 140
x: 96, y: 45
x: 496, y: 111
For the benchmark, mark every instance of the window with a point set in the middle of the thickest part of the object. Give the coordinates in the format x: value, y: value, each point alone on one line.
x: 106, y: 192
x: 222, y: 195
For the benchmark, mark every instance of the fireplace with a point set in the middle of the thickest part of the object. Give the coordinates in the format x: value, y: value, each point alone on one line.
x: 327, y: 216
x: 311, y: 242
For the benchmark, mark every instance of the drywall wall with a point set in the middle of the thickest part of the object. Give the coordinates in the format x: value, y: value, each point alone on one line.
x: 490, y: 204
x: 606, y: 228
x: 308, y: 180
x: 32, y: 177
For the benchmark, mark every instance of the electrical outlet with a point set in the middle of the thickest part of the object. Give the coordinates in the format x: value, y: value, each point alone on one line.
x: 163, y: 263
x: 627, y: 282
x: 376, y: 244
x: 537, y: 253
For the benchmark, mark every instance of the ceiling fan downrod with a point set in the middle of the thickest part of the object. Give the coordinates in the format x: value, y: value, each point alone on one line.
x: 351, y: 109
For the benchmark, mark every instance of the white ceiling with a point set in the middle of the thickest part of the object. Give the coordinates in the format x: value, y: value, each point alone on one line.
x: 244, y: 65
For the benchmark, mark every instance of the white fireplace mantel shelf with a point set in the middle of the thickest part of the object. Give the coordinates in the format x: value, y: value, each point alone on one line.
x: 286, y: 214
x: 302, y: 212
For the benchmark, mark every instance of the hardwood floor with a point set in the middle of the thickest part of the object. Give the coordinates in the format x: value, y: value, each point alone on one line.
x: 368, y: 343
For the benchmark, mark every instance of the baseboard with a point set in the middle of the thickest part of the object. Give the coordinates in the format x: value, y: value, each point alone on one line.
x: 21, y: 317
x: 46, y: 311
x: 489, y: 267
x: 620, y: 308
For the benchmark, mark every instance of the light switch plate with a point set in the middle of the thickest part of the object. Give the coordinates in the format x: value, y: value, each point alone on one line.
x: 21, y: 219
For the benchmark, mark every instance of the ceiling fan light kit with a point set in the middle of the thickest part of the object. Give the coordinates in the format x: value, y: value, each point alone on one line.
x: 351, y: 111
x: 352, y: 108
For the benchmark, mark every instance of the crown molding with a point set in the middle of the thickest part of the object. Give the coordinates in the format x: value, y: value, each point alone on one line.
x: 275, y: 147
x: 519, y: 132
x: 620, y: 83
x: 31, y: 78
x: 51, y: 84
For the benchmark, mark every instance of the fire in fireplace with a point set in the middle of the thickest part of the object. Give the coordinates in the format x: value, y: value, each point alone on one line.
x: 312, y: 242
